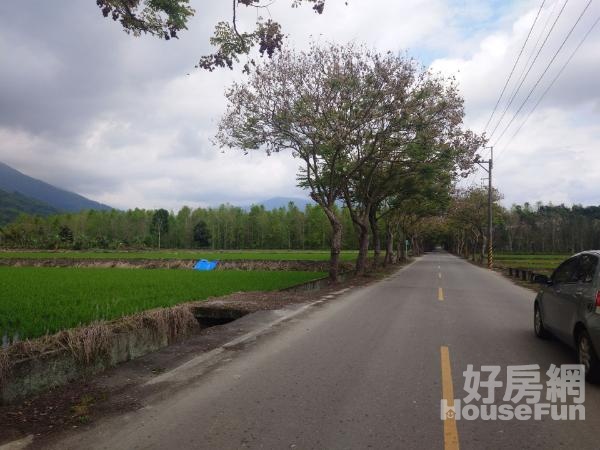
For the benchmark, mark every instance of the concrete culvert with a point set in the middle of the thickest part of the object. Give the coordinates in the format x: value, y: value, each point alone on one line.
x: 209, y: 316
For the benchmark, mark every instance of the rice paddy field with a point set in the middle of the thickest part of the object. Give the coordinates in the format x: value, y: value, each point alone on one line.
x: 263, y: 255
x: 36, y: 301
x: 539, y: 262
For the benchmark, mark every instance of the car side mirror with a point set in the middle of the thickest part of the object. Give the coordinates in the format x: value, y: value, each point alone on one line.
x: 542, y: 279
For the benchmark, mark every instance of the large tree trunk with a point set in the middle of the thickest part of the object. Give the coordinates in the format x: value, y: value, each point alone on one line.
x: 402, y: 246
x: 336, y: 244
x: 376, y: 239
x: 363, y: 248
x: 415, y: 246
x: 360, y: 219
x: 389, y: 246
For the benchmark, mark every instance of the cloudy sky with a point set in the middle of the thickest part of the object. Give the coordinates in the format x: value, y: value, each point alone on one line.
x: 128, y: 121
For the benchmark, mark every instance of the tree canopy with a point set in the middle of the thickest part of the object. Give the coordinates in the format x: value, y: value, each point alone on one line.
x: 357, y: 120
x: 165, y: 19
x: 160, y: 223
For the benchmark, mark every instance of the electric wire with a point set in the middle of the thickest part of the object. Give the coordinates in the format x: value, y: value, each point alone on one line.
x: 544, y: 72
x: 530, y: 67
x: 514, y: 65
x: 560, y: 72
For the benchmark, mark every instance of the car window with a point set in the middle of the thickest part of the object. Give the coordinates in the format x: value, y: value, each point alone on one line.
x: 587, y: 268
x: 567, y: 272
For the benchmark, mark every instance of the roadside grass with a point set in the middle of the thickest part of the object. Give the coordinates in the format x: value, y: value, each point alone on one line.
x: 262, y: 255
x: 537, y: 256
x: 37, y: 301
x: 541, y: 262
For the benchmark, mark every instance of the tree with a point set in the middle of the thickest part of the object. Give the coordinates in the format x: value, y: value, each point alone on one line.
x: 201, y: 234
x: 468, y: 217
x: 419, y: 151
x: 322, y: 104
x: 160, y: 223
x: 166, y: 18
x: 414, y: 196
x: 65, y: 235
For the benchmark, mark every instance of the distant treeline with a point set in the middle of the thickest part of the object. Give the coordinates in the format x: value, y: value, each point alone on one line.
x: 225, y: 227
x: 462, y: 228
x: 523, y: 228
x: 548, y: 229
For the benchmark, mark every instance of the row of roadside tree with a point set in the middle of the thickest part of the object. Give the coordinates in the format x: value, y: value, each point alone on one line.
x: 375, y: 131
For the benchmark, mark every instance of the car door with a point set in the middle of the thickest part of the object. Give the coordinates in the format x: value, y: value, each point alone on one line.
x: 585, y: 292
x: 574, y: 295
x: 563, y: 283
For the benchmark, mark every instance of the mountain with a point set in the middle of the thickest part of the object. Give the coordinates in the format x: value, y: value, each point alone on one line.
x: 282, y: 202
x: 12, y: 180
x: 13, y: 204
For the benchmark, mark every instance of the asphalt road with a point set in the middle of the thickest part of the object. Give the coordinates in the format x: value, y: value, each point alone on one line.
x: 367, y: 370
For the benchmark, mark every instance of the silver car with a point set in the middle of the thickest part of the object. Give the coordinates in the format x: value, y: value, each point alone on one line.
x: 568, y: 307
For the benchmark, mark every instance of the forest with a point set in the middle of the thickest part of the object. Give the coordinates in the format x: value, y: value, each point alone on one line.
x: 549, y: 228
x: 222, y: 228
x: 460, y: 228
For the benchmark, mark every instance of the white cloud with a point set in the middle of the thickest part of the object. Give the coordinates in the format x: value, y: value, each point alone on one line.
x: 89, y: 108
x: 553, y: 156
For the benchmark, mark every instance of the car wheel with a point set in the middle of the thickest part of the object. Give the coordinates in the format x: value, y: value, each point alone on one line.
x: 586, y: 355
x: 538, y: 324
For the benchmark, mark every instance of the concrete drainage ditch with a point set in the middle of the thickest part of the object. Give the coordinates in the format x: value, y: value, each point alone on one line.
x: 58, y: 367
x: 210, y: 316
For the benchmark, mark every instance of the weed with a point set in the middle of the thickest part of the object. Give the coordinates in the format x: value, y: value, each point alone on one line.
x: 81, y: 410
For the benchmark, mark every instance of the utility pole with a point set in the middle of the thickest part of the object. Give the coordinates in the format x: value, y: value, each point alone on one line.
x: 490, y: 165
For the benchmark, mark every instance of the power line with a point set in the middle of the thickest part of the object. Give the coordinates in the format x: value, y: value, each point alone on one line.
x: 544, y: 72
x: 514, y: 65
x: 535, y: 47
x: 529, y: 69
x: 537, y: 41
x: 562, y: 69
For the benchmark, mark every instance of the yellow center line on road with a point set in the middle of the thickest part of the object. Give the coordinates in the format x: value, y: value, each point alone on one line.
x: 450, y: 430
x: 440, y: 294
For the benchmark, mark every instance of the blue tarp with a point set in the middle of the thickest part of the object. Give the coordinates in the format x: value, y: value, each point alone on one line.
x: 205, y: 265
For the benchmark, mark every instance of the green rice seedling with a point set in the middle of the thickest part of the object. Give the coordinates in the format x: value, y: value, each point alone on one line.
x: 35, y: 301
